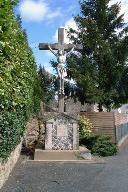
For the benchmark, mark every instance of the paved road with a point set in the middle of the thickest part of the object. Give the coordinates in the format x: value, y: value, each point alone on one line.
x: 59, y: 177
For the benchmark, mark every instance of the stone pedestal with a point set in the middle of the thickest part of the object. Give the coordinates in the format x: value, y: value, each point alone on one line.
x: 62, y: 133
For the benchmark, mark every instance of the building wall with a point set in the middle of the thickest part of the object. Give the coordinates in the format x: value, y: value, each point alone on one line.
x: 123, y: 109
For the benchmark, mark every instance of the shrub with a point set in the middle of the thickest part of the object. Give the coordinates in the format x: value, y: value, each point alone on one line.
x: 104, y: 147
x: 85, y: 128
x: 89, y: 141
x: 18, y: 79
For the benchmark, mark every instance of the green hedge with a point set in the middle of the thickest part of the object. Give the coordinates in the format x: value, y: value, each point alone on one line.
x: 19, y: 89
x: 101, y: 145
x: 104, y: 146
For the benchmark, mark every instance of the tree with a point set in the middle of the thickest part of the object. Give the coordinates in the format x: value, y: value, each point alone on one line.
x: 100, y: 69
x: 47, y: 84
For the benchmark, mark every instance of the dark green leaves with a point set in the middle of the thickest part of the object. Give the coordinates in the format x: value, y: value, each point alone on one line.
x: 99, y: 72
x: 19, y: 93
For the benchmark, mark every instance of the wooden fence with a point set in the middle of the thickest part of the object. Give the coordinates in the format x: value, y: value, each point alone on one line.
x: 111, y: 124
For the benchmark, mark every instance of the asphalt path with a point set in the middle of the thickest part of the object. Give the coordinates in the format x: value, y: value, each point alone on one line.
x: 30, y: 176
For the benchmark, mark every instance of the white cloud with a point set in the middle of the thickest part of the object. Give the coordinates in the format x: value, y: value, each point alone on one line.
x: 54, y: 14
x: 37, y: 10
x: 33, y: 11
x: 68, y: 24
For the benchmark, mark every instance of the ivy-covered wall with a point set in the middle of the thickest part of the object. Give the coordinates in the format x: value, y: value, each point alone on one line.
x: 19, y: 89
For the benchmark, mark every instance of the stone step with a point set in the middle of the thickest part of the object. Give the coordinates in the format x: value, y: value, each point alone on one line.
x: 59, y: 155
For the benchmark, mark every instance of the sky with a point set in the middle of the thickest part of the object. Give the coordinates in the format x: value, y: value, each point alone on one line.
x: 42, y: 18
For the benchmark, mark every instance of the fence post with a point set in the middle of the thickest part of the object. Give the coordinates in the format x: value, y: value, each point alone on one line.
x: 115, y: 127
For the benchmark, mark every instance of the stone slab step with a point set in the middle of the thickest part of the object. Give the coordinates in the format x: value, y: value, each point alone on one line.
x: 56, y: 155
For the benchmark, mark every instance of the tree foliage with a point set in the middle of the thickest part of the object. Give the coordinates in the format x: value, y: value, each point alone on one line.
x: 100, y: 70
x: 18, y: 79
x: 85, y: 128
x: 47, y: 83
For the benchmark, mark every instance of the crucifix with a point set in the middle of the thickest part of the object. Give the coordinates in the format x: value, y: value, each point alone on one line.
x: 60, y: 50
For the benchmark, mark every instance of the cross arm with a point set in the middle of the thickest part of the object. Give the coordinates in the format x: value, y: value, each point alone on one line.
x: 44, y: 46
x: 68, y: 47
x: 57, y: 46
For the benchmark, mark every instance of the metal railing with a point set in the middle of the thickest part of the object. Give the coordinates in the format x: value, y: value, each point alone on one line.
x: 121, y: 131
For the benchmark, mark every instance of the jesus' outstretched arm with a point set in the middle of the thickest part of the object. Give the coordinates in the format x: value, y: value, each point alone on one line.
x: 52, y: 51
x: 71, y: 50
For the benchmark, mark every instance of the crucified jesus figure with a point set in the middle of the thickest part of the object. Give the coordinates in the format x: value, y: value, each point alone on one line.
x: 61, y: 59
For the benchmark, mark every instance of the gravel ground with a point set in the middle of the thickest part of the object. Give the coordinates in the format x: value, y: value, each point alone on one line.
x: 30, y: 176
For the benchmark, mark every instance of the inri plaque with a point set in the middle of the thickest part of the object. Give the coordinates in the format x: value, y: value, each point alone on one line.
x: 62, y: 131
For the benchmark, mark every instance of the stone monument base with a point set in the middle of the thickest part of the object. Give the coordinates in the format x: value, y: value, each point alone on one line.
x: 61, y: 131
x: 57, y: 155
x: 61, y: 139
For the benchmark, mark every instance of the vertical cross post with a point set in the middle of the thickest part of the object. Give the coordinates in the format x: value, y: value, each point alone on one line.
x: 61, y: 38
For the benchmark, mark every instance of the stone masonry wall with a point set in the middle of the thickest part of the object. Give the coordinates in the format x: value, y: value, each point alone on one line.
x: 35, y: 134
x: 6, y: 167
x: 32, y: 132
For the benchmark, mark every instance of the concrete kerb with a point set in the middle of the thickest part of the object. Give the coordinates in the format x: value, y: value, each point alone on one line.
x: 69, y: 161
